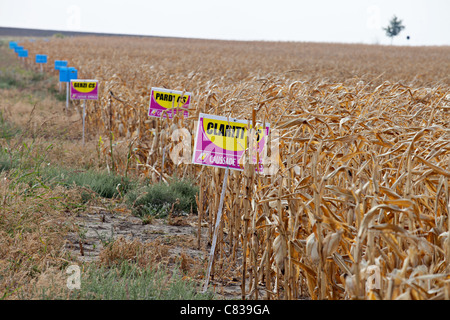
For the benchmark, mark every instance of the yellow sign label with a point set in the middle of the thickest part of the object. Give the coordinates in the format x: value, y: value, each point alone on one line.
x: 168, y: 100
x: 83, y: 86
x: 231, y: 136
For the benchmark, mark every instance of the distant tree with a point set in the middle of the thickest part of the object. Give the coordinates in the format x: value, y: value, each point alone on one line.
x: 58, y: 35
x: 394, y: 28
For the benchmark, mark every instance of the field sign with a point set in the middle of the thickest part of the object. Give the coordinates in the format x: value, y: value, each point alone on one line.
x: 12, y: 44
x: 41, y: 58
x: 84, y: 89
x: 221, y: 142
x: 67, y: 73
x: 168, y: 100
x: 22, y: 53
x: 60, y: 63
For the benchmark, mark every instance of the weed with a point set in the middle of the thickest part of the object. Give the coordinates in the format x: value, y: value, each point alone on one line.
x: 9, y: 79
x: 160, y: 198
x: 104, y: 184
x: 128, y: 282
x: 106, y: 240
x: 60, y: 96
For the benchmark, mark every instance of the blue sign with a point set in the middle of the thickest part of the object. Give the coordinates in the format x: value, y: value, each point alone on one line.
x: 18, y: 48
x: 63, y: 73
x: 23, y: 53
x: 73, y: 74
x: 66, y: 74
x: 60, y: 63
x: 12, y: 44
x: 41, y: 58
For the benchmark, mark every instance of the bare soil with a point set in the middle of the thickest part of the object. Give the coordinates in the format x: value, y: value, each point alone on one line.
x: 101, y: 227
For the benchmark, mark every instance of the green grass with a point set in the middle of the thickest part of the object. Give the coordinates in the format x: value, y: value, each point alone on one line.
x: 33, y: 170
x: 129, y: 282
x: 156, y: 200
x: 7, y: 129
x: 103, y: 183
x: 7, y: 132
x: 60, y: 96
x: 17, y: 77
x: 28, y: 163
x: 9, y: 79
x: 159, y: 198
x: 5, y: 161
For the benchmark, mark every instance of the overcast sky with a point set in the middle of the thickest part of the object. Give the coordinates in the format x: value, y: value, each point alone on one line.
x: 427, y: 22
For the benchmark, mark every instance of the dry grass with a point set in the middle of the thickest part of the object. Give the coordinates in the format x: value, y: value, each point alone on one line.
x: 144, y: 254
x: 32, y: 235
x: 154, y: 254
x: 362, y: 188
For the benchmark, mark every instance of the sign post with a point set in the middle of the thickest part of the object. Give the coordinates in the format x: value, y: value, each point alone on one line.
x: 170, y: 101
x: 223, y: 142
x: 22, y: 53
x: 216, y: 230
x: 84, y: 90
x: 41, y: 59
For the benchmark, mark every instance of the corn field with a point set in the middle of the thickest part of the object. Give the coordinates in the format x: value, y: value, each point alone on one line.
x: 359, y: 205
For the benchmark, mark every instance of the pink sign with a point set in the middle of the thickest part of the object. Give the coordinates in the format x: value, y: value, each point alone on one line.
x: 222, y: 142
x: 165, y: 102
x: 84, y: 89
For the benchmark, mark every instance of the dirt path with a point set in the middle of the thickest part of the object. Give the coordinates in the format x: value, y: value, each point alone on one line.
x: 178, y: 235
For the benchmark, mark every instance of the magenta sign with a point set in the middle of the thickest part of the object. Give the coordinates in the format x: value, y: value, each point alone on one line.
x: 166, y: 103
x: 84, y: 89
x: 222, y: 142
